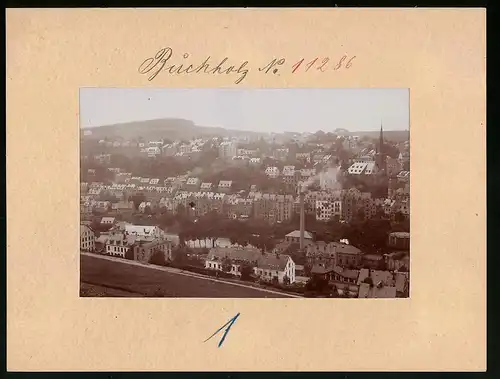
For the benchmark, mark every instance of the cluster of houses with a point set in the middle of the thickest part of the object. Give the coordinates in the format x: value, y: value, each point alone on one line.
x: 324, y: 202
x: 124, y: 240
x: 353, y: 273
x: 207, y: 197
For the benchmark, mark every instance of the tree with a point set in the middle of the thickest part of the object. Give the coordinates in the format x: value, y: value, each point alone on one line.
x: 129, y: 254
x: 226, y: 264
x: 182, y: 239
x: 360, y: 216
x: 179, y: 256
x: 166, y: 218
x: 157, y: 258
x: 317, y: 284
x: 369, y: 281
x: 138, y: 199
x: 399, y: 216
x: 335, y: 219
x: 246, y: 271
x: 181, y: 210
x: 286, y: 280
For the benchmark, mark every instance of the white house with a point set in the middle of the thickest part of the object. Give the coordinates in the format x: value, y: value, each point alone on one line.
x: 143, y: 205
x: 228, y: 149
x: 118, y: 244
x: 107, y: 221
x: 206, y: 186
x: 87, y: 238
x: 267, y: 267
x: 295, y: 236
x: 277, y: 266
x: 225, y: 185
x: 143, y: 231
x: 288, y: 170
x: 272, y: 171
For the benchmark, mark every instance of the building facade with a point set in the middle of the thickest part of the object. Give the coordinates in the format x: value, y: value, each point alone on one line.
x: 87, y: 238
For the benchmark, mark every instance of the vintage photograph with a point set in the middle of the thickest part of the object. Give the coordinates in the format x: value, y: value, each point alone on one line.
x: 244, y: 193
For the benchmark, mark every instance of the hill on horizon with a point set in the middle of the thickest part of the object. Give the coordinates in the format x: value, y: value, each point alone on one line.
x: 183, y: 129
x: 168, y: 128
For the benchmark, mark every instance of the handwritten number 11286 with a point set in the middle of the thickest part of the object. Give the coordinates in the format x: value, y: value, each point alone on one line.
x: 322, y: 64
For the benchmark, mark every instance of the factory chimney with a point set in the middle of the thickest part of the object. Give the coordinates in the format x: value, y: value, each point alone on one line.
x: 302, y: 218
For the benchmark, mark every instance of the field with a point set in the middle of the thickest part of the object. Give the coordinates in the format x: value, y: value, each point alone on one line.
x: 99, y: 277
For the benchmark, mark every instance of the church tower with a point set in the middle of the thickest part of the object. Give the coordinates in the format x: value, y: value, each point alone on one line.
x: 381, y: 160
x: 381, y: 164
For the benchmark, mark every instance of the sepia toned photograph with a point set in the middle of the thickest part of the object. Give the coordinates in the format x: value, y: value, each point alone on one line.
x: 244, y: 193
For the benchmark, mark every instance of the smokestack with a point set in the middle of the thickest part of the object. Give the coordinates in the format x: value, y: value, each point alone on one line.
x: 302, y: 219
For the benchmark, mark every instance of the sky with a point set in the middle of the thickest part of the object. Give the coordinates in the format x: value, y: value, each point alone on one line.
x: 261, y: 110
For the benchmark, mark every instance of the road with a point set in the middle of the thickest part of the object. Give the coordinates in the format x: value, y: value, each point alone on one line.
x: 140, y: 278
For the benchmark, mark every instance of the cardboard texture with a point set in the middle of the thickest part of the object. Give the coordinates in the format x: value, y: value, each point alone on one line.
x: 439, y: 55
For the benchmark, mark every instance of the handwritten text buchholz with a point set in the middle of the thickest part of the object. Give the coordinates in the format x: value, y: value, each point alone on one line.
x: 162, y: 62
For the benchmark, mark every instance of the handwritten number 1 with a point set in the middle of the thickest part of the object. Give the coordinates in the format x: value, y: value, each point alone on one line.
x: 228, y: 324
x: 296, y: 66
x: 309, y: 65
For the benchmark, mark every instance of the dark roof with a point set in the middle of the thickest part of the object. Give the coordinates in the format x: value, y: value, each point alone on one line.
x: 373, y: 257
x: 273, y: 261
x: 346, y: 273
x: 366, y: 291
x: 317, y: 269
x: 245, y: 254
x: 378, y: 276
x: 346, y: 249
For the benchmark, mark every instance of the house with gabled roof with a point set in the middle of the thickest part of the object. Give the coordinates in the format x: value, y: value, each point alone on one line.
x: 295, y: 236
x: 267, y: 267
x: 206, y: 187
x: 225, y: 186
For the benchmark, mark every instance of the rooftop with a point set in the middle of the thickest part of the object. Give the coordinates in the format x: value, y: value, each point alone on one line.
x: 384, y: 292
x: 296, y: 234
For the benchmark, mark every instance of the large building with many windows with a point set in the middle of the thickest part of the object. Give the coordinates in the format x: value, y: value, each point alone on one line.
x: 87, y: 238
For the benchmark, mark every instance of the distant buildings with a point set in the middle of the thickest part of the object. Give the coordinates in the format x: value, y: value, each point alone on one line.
x: 327, y: 210
x: 347, y: 194
x: 273, y: 208
x: 281, y: 154
x: 137, y: 242
x: 272, y: 171
x: 225, y: 186
x: 228, y: 149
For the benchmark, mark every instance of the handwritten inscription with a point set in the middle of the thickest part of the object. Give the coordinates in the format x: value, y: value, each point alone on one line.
x: 323, y: 64
x: 161, y: 62
x: 165, y: 61
x: 227, y: 325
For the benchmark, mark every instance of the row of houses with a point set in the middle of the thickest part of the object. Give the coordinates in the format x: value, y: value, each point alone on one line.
x: 323, y: 204
x: 362, y: 282
x: 125, y: 240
